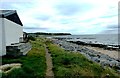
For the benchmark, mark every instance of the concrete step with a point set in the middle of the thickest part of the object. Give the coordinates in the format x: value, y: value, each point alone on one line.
x: 18, y: 49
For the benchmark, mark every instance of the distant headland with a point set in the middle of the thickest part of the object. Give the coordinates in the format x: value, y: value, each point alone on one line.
x: 44, y: 33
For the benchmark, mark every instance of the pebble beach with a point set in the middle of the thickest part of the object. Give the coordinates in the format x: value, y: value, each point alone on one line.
x: 101, y: 56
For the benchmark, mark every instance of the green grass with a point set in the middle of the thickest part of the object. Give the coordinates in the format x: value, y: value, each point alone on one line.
x: 33, y: 64
x: 65, y: 64
x: 69, y: 64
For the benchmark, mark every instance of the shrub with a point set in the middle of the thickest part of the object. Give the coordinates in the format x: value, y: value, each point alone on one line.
x: 31, y: 38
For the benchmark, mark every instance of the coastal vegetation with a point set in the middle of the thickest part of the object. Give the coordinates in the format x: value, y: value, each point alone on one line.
x: 33, y: 64
x: 73, y: 64
x: 65, y: 63
x: 43, y: 33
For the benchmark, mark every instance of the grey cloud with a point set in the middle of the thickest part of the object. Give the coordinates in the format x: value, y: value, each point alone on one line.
x: 43, y: 17
x: 108, y: 16
x: 6, y: 5
x: 68, y: 8
x: 112, y: 29
x: 65, y: 21
x: 114, y: 26
x: 16, y: 1
x: 10, y: 5
x: 34, y: 28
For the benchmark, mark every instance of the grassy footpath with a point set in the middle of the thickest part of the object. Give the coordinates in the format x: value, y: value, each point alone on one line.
x: 33, y: 64
x: 68, y: 64
x: 65, y: 64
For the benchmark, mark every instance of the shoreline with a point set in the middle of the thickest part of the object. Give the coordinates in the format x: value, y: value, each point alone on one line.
x: 111, y: 53
x: 103, y: 57
x: 98, y: 44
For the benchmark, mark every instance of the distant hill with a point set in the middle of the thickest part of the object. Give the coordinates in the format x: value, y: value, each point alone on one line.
x: 43, y: 33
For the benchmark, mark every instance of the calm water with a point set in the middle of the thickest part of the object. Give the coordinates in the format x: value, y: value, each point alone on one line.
x: 109, y: 39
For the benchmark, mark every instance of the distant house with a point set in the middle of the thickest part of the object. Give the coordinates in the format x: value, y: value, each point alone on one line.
x: 11, y: 29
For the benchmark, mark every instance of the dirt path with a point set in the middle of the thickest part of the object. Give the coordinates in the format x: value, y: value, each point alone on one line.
x: 49, y: 72
x: 113, y: 54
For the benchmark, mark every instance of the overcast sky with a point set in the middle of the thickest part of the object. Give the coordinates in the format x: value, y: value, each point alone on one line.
x: 71, y: 16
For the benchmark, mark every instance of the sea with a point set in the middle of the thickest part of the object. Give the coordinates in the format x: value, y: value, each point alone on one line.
x: 107, y: 39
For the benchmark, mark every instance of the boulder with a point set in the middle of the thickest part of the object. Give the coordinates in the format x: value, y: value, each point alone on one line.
x: 95, y: 59
x: 114, y: 63
x: 87, y: 56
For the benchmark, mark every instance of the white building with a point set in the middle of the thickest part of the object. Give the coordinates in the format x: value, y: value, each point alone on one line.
x: 11, y: 29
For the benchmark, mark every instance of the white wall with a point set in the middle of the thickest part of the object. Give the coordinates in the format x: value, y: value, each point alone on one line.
x: 2, y: 38
x: 13, y: 32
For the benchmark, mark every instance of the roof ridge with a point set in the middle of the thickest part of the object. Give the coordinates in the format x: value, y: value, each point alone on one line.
x: 11, y: 15
x: 7, y: 12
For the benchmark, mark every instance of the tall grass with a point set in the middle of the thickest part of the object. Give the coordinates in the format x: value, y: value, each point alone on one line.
x: 69, y: 64
x: 33, y: 64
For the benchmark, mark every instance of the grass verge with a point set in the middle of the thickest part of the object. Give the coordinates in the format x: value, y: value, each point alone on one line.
x: 33, y: 64
x: 69, y: 64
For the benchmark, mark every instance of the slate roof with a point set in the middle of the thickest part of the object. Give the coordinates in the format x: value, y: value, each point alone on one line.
x: 11, y: 15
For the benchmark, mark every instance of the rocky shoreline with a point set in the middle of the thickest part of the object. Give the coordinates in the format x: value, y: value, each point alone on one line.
x: 93, y: 43
x: 97, y: 44
x: 102, y: 59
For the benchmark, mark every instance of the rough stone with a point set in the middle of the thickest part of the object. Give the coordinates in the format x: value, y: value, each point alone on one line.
x: 90, y: 54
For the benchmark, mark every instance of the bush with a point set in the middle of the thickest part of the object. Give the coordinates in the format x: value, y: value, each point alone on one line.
x: 31, y: 38
x: 66, y: 60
